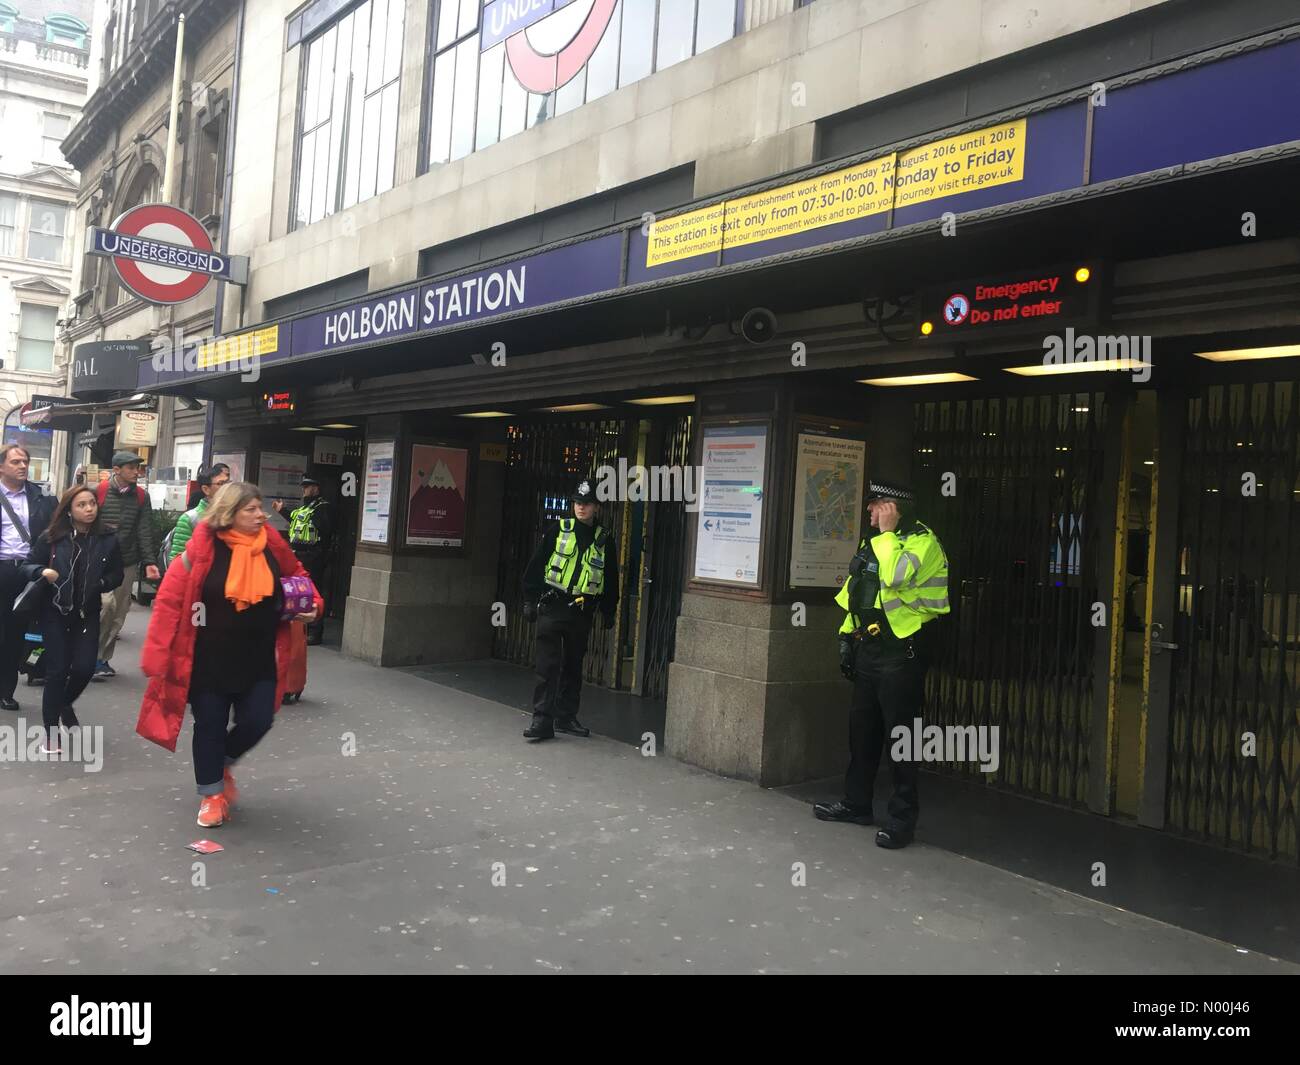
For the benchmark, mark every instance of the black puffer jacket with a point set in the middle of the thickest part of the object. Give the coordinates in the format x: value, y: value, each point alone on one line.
x: 98, y: 561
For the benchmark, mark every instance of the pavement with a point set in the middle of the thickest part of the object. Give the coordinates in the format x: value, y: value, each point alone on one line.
x: 447, y: 843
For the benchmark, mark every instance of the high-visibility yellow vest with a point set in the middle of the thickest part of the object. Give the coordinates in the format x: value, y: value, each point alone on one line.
x: 564, y: 559
x: 302, y: 527
x: 913, y: 580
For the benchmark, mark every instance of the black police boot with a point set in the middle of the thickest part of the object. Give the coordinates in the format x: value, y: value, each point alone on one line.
x: 842, y: 811
x: 572, y: 726
x: 542, y: 728
x: 893, y: 838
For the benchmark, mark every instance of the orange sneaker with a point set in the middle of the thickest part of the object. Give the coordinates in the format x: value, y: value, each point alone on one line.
x: 231, y: 793
x: 213, y: 811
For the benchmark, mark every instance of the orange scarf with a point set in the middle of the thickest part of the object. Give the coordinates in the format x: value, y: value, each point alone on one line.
x: 249, y: 580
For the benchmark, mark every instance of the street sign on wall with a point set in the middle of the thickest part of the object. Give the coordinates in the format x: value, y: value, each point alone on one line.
x: 164, y: 255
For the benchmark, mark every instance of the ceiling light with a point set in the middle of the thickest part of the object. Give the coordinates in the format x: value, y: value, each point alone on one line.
x: 570, y: 407
x: 486, y: 414
x: 341, y: 425
x: 660, y: 401
x: 304, y: 429
x: 917, y: 379
x: 1092, y: 366
x: 1281, y: 351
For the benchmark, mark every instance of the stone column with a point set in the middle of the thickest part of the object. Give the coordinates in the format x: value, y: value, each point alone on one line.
x: 413, y: 606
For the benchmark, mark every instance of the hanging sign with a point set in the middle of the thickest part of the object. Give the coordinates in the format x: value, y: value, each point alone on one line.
x: 164, y: 255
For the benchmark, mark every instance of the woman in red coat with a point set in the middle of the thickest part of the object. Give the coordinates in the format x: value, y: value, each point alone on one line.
x: 216, y: 642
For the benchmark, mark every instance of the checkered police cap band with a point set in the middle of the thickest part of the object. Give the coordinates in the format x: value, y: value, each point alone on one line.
x: 885, y: 490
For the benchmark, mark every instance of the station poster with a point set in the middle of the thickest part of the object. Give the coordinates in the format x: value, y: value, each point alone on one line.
x: 280, y: 475
x: 828, y: 473
x: 378, y: 499
x: 730, y: 524
x: 437, y: 496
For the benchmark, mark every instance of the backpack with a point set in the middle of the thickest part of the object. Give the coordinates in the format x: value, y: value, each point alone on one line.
x: 101, y: 493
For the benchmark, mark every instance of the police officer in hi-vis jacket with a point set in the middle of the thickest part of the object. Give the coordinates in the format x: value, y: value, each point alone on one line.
x: 572, y: 574
x: 897, y: 584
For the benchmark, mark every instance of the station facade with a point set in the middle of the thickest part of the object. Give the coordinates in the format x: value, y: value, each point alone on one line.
x: 1044, y: 266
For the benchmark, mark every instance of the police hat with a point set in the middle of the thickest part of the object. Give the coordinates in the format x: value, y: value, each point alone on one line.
x: 584, y: 492
x: 888, y: 490
x: 310, y: 481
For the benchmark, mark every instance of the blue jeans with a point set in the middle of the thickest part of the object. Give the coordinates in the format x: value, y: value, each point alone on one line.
x: 215, y: 744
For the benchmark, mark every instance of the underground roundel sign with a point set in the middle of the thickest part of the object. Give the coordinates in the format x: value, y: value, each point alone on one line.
x: 547, y: 41
x: 163, y: 254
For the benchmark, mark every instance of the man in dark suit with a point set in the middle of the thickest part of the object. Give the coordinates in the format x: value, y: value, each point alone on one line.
x: 25, y: 511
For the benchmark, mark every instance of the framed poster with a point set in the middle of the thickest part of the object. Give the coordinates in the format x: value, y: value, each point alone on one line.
x: 377, y: 501
x: 235, y: 460
x: 729, y: 526
x: 280, y: 475
x: 827, y: 511
x: 437, y: 496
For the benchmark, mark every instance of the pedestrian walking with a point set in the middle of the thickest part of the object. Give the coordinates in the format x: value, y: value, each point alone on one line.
x: 572, y: 575
x: 897, y: 585
x: 218, y: 640
x: 81, y: 561
x: 125, y: 509
x: 25, y: 511
x: 210, y: 480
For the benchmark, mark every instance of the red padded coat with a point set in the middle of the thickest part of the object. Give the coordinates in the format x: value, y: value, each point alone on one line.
x: 168, y: 655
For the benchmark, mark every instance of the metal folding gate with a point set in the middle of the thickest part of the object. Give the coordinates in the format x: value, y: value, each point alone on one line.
x: 544, y: 460
x: 1234, y: 765
x: 1013, y: 487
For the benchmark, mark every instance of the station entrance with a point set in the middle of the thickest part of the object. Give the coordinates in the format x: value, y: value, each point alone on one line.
x: 1126, y: 600
x: 545, y: 458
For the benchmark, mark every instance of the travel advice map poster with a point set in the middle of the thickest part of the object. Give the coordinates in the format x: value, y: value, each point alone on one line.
x: 435, y: 515
x: 827, y: 509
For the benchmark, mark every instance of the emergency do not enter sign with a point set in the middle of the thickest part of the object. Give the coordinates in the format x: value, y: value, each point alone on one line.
x: 998, y: 302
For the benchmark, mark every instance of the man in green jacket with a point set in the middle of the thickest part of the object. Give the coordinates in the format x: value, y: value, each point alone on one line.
x: 124, y: 507
x: 211, y: 480
x: 897, y: 584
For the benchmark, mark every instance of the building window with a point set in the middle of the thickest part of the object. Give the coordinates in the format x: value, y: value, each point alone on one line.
x: 36, y: 337
x: 491, y: 80
x: 7, y: 15
x: 54, y: 131
x: 347, y: 145
x: 8, y: 223
x: 45, y: 232
x: 144, y: 188
x: 209, y: 154
x: 66, y: 30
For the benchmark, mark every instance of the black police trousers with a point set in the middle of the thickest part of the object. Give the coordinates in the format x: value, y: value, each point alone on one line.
x: 562, y: 634
x: 887, y: 691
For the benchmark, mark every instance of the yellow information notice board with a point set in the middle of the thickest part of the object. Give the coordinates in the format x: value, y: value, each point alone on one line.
x: 975, y: 160
x: 239, y: 347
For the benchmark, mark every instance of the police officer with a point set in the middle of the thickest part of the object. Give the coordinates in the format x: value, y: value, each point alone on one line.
x: 311, y: 535
x: 897, y: 585
x: 572, y: 574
